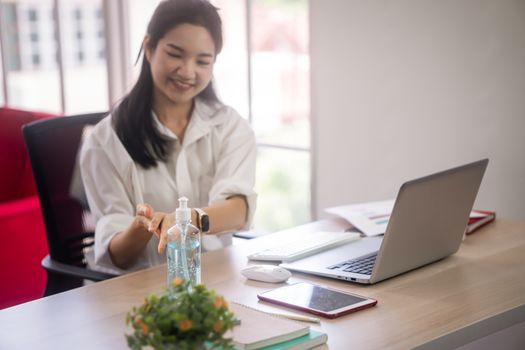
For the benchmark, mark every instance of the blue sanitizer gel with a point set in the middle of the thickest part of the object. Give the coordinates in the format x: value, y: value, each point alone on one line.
x: 184, y: 247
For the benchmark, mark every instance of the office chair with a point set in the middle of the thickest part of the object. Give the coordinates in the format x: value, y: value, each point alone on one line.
x: 53, y: 146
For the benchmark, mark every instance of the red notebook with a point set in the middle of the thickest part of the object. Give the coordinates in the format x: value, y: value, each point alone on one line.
x: 479, y: 218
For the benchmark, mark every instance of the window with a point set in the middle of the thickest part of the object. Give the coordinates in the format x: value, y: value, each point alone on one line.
x: 283, y: 184
x: 231, y: 69
x: 280, y: 72
x: 280, y: 111
x: 35, y: 58
x: 28, y: 60
x: 80, y: 56
x: 2, y: 93
x: 32, y: 15
x: 9, y: 22
x: 99, y: 39
x: 78, y: 14
x: 36, y: 54
x: 34, y: 37
x: 265, y: 77
x: 85, y: 70
x: 139, y: 14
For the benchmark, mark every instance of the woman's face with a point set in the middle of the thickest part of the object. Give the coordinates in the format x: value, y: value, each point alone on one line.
x: 182, y: 63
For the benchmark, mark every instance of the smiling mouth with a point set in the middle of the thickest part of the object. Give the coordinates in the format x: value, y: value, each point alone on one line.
x: 181, y: 85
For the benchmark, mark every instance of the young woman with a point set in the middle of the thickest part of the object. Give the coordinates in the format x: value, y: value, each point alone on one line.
x: 169, y: 137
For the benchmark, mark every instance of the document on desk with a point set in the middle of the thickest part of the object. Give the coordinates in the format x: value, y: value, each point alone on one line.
x: 371, y: 218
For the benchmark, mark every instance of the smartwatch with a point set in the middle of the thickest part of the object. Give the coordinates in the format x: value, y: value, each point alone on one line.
x: 203, y: 220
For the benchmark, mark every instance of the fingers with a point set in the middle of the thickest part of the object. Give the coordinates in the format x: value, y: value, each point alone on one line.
x: 165, y: 223
x: 155, y: 223
x: 163, y: 240
x: 143, y: 221
x: 144, y: 209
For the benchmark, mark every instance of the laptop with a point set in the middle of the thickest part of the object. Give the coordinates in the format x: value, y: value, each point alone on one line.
x: 427, y: 223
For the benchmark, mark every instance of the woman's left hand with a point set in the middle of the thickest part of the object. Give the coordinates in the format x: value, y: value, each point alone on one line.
x: 159, y: 225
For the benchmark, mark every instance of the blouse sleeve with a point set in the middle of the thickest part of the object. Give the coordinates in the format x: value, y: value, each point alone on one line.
x: 235, y: 167
x: 108, y: 199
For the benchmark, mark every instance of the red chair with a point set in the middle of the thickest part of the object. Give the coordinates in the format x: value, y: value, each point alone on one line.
x: 23, y: 241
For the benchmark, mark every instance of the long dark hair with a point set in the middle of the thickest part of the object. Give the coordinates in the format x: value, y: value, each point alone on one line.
x: 132, y: 118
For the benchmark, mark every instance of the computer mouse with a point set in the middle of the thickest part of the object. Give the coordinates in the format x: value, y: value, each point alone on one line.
x: 266, y: 273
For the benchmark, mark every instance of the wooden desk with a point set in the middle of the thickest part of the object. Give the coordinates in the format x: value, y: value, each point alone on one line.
x: 473, y: 293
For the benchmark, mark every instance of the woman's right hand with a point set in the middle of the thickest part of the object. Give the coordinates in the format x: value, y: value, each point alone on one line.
x: 144, y: 214
x: 126, y: 246
x: 149, y: 219
x: 157, y: 223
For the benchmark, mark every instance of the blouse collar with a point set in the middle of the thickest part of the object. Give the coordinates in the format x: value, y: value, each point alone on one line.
x: 204, y: 116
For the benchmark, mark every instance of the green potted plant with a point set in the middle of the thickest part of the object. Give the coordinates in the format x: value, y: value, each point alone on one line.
x: 183, y: 317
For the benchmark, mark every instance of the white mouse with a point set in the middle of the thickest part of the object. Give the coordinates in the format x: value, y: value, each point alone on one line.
x: 266, y: 273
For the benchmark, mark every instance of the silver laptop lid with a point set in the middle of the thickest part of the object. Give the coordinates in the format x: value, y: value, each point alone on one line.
x: 428, y: 219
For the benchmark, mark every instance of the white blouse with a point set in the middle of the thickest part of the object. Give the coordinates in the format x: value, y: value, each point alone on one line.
x: 215, y: 161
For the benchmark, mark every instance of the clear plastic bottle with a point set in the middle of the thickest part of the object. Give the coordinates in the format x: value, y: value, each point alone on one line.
x: 184, y: 247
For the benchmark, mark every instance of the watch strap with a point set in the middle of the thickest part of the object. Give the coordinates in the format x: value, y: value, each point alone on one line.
x: 203, y: 220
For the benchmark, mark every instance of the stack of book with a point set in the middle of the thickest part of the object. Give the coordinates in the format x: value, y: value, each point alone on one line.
x: 261, y: 330
x: 479, y: 218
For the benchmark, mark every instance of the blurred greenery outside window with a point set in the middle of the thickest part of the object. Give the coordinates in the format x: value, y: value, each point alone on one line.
x: 280, y: 102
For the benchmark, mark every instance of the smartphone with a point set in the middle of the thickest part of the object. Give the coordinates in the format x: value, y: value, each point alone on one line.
x: 318, y: 300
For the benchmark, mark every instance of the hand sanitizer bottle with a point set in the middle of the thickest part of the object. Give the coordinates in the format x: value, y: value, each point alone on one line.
x: 184, y: 247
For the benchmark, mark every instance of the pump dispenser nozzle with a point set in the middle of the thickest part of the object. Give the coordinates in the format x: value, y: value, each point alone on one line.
x: 183, y: 213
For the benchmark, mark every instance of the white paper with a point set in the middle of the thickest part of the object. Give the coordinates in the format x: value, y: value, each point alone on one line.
x: 477, y: 214
x: 371, y: 218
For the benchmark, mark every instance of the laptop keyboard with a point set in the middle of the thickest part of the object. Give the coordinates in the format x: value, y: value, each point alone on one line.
x: 309, y: 244
x: 363, y: 265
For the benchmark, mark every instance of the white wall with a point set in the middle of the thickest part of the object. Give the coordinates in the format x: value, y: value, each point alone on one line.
x: 401, y: 89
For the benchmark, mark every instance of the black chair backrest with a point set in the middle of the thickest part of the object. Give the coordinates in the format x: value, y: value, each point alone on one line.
x: 53, y: 146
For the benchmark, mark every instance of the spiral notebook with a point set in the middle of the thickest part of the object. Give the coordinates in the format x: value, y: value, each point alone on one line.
x: 259, y: 329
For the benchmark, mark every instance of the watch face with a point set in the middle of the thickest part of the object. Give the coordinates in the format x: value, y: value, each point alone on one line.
x: 205, y: 223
